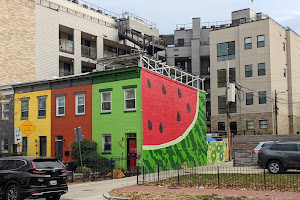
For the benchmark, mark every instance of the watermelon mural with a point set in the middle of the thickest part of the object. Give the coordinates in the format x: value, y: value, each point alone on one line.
x: 174, y: 123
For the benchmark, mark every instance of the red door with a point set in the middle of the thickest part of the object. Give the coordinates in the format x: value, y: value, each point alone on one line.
x: 132, y: 154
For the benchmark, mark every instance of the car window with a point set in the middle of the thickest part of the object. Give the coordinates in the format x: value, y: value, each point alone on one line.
x: 287, y: 147
x: 7, y: 164
x: 20, y: 163
x: 273, y: 147
x: 298, y: 147
x: 47, y: 164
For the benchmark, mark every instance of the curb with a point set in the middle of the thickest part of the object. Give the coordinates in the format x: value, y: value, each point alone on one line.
x: 107, y: 196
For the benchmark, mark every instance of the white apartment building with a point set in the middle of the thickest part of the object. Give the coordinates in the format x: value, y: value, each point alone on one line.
x: 264, y: 60
x: 50, y: 38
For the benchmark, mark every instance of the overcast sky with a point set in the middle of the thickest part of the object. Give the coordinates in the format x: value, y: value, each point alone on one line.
x: 167, y: 13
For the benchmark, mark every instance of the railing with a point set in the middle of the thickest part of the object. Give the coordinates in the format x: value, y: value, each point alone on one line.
x: 88, y: 52
x: 147, y: 22
x: 251, y: 178
x: 65, y: 73
x: 104, y: 168
x: 183, y: 44
x: 66, y: 46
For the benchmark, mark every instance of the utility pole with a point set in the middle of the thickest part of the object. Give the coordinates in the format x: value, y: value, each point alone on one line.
x: 276, y: 114
x: 227, y: 111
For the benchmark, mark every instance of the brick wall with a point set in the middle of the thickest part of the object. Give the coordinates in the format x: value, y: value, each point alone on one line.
x: 17, y: 36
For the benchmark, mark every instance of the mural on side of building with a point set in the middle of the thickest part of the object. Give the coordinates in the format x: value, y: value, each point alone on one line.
x: 174, y: 126
x: 216, y: 152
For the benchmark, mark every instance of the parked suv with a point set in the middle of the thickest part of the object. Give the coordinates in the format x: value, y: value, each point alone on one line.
x: 279, y: 156
x: 22, y: 177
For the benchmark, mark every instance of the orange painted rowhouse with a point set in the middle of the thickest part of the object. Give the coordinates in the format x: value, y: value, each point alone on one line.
x: 71, y: 107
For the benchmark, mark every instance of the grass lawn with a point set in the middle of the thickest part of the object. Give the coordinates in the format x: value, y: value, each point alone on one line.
x: 174, y: 196
x: 276, y: 182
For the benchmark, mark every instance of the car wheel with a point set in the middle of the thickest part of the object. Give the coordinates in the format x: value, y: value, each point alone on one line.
x: 274, y: 167
x: 53, y: 198
x: 13, y: 193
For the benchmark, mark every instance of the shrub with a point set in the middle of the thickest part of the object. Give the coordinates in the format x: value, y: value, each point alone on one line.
x: 264, y: 132
x: 117, y: 173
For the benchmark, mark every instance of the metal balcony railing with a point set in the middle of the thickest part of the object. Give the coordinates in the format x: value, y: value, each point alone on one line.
x: 66, y: 46
x: 88, y: 52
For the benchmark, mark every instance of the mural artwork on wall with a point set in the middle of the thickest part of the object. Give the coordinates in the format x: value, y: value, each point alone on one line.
x: 216, y: 152
x: 174, y: 123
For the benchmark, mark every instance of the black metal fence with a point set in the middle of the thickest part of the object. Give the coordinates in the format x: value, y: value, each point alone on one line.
x: 252, y: 178
x: 104, y: 168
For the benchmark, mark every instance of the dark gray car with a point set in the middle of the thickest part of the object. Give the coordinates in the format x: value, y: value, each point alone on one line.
x: 279, y: 156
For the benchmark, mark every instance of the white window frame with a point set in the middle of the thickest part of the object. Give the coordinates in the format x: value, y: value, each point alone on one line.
x: 3, y: 103
x: 57, y: 107
x: 102, y: 101
x: 76, y: 104
x: 130, y: 109
x: 103, y: 143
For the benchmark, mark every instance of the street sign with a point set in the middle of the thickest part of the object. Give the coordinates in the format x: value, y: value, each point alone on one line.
x: 78, y: 134
x: 18, y: 136
x: 27, y: 127
x: 19, y: 149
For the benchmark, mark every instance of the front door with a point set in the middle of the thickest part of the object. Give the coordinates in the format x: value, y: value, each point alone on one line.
x: 233, y: 128
x: 59, y: 147
x: 131, y: 161
x: 43, y: 146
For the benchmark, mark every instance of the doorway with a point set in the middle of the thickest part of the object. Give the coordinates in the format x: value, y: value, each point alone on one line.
x: 43, y: 146
x: 233, y: 128
x: 59, y: 147
x: 131, y: 154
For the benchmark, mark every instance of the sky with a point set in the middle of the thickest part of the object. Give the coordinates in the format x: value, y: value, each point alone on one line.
x: 167, y: 13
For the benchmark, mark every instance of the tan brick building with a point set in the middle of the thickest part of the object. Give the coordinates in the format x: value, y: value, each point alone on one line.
x: 263, y: 57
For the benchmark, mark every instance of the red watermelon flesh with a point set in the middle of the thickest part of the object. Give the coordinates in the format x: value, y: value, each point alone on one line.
x: 169, y: 109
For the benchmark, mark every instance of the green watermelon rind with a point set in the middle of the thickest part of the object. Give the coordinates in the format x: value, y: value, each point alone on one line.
x: 180, y: 138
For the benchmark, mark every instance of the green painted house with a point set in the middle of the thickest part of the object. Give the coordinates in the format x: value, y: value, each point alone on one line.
x: 138, y: 113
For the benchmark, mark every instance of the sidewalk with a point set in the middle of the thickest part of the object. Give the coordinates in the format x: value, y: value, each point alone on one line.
x: 220, y: 192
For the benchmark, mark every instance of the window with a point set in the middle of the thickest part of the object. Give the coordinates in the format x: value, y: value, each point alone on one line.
x: 242, y: 20
x: 221, y: 126
x: 24, y: 145
x: 249, y: 98
x: 80, y: 104
x: 24, y: 108
x: 262, y: 97
x: 261, y: 69
x: 222, y: 76
x: 106, y: 143
x: 226, y: 51
x: 222, y: 108
x: 180, y: 42
x: 5, y: 109
x: 4, y: 145
x: 42, y: 107
x: 263, y: 124
x: 60, y: 106
x: 111, y: 51
x: 248, y: 71
x: 130, y: 99
x: 260, y: 41
x: 248, y: 43
x: 105, y: 102
x: 287, y: 147
x: 250, y: 125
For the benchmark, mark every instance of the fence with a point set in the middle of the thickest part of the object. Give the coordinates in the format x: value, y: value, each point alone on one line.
x: 103, y: 168
x: 252, y: 178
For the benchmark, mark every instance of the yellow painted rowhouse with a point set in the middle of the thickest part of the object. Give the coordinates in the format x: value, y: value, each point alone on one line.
x: 33, y: 117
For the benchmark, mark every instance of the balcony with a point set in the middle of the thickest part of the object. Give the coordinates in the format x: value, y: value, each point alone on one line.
x: 66, y: 46
x: 88, y: 52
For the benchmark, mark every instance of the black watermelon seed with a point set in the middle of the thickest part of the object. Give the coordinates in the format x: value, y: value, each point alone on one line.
x: 164, y: 90
x: 188, y: 107
x: 178, y: 116
x: 149, y: 83
x: 179, y: 93
x: 149, y: 125
x: 160, y: 128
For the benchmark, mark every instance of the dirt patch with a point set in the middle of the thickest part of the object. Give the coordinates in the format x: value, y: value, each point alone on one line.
x: 165, y: 193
